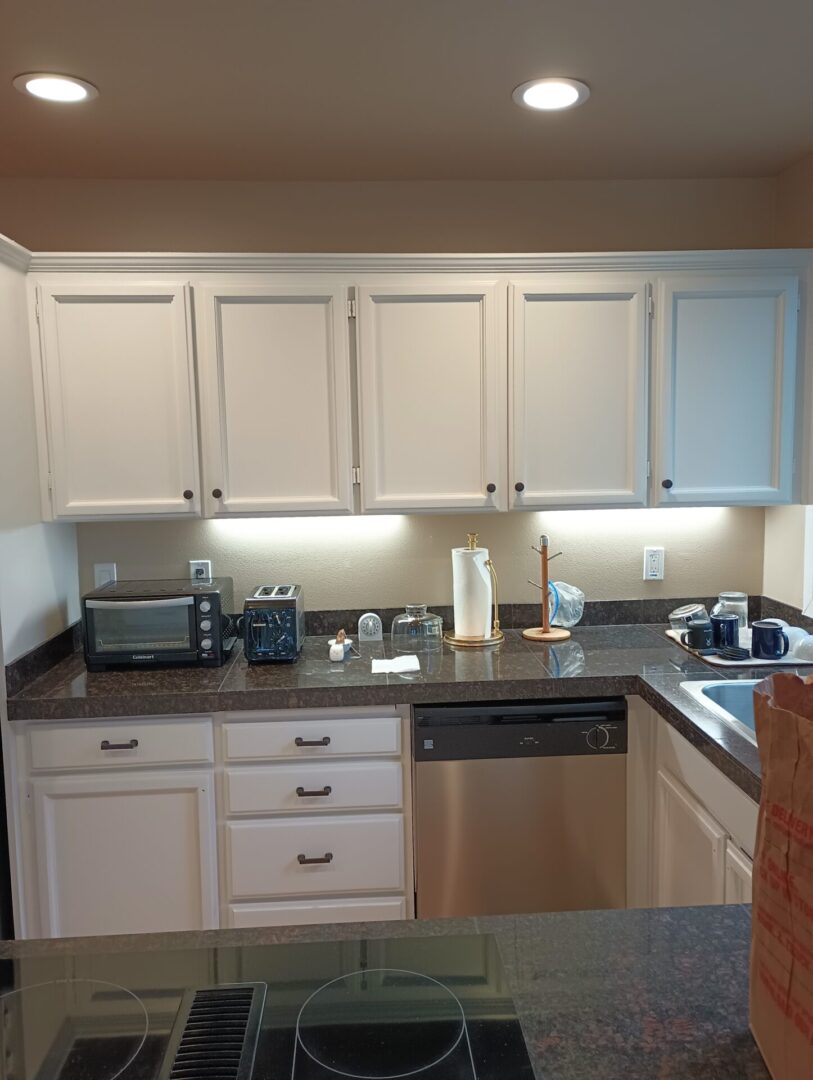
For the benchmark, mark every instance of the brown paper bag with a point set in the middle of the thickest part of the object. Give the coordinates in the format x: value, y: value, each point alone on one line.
x: 782, y: 917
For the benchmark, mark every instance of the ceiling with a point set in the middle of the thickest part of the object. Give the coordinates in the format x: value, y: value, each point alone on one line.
x: 407, y: 89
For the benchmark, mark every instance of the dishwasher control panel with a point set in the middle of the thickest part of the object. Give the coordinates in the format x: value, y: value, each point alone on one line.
x: 526, y: 729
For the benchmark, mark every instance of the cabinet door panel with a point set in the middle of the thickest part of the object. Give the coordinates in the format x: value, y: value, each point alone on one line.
x: 689, y: 848
x: 119, y: 390
x: 738, y: 875
x: 725, y: 390
x: 277, y: 426
x: 579, y: 392
x: 432, y: 373
x: 126, y: 854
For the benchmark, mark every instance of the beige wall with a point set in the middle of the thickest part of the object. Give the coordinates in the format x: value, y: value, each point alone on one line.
x: 38, y: 563
x: 464, y: 216
x: 392, y: 560
x: 783, y: 577
x: 794, y: 205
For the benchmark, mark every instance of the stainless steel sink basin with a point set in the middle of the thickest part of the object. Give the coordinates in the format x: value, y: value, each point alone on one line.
x: 732, y: 701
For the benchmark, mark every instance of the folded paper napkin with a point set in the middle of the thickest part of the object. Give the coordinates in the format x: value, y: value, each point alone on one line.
x: 400, y: 663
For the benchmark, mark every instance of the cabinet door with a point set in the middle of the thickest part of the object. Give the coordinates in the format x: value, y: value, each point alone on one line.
x: 126, y: 854
x: 119, y: 394
x: 432, y: 390
x: 578, y: 362
x: 689, y: 848
x: 275, y: 387
x: 738, y: 875
x: 725, y: 390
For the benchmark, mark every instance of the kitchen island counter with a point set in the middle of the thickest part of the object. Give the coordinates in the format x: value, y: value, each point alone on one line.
x: 616, y: 995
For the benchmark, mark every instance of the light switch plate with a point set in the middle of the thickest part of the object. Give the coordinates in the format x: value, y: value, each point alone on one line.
x: 654, y: 558
x: 103, y: 573
x: 200, y: 569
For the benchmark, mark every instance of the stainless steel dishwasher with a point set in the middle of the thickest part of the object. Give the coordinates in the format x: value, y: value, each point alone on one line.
x: 520, y: 807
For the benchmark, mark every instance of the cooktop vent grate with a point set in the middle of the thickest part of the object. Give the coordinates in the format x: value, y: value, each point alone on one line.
x: 215, y: 1034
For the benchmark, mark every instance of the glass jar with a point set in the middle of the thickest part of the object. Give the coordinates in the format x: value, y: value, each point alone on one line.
x: 737, y: 602
x: 417, y: 630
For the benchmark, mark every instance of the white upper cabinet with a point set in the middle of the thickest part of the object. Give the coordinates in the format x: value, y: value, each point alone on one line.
x: 725, y: 389
x: 578, y: 363
x: 118, y: 387
x: 275, y: 399
x: 432, y: 384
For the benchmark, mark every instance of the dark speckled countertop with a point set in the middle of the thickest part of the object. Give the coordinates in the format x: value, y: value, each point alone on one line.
x: 596, y: 661
x: 601, y: 995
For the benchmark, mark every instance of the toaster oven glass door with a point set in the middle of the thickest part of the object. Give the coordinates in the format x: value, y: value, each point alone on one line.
x: 165, y: 625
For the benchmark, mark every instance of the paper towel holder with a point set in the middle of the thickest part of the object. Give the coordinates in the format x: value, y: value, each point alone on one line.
x: 496, y: 634
x: 545, y: 632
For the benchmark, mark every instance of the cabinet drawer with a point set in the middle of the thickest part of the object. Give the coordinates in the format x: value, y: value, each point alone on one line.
x: 312, y: 738
x: 366, y: 855
x: 329, y: 785
x: 95, y: 746
x: 313, y: 912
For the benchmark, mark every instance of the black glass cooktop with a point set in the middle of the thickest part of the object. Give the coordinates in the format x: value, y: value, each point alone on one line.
x: 431, y: 1008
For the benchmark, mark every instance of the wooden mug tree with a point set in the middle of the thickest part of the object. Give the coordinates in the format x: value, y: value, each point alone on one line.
x: 545, y: 632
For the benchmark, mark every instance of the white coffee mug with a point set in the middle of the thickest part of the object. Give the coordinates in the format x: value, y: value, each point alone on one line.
x: 803, y: 650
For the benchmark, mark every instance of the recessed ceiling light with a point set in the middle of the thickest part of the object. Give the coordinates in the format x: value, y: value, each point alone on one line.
x: 551, y: 94
x: 51, y: 87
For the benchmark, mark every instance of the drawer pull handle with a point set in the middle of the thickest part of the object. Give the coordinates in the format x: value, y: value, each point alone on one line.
x: 303, y: 794
x: 107, y: 745
x: 303, y: 860
x: 312, y: 742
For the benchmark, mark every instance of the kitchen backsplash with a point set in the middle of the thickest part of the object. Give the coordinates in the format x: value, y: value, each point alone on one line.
x: 387, y: 561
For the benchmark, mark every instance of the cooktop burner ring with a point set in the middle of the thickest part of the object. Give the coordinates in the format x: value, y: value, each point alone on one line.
x: 459, y: 1034
x: 20, y: 991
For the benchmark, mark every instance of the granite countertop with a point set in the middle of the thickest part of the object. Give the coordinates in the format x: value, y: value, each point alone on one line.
x: 646, y: 994
x: 596, y: 661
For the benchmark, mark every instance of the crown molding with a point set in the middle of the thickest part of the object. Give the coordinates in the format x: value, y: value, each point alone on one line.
x: 792, y: 259
x: 14, y: 254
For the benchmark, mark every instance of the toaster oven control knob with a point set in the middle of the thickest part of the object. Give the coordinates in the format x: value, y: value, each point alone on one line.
x: 206, y: 644
x: 205, y: 606
x: 206, y: 625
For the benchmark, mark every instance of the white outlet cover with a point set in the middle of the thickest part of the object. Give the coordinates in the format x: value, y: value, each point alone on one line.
x: 654, y: 559
x: 103, y: 573
x: 200, y: 569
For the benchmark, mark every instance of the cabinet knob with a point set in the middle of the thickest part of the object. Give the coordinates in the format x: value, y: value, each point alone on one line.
x: 217, y: 493
x: 667, y: 484
x: 491, y: 488
x: 519, y: 486
x: 188, y: 494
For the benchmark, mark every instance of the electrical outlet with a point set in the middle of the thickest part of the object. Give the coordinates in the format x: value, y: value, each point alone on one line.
x: 103, y: 573
x: 654, y: 558
x: 200, y: 569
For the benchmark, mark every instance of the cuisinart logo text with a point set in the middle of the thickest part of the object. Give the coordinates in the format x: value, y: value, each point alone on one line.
x: 144, y: 656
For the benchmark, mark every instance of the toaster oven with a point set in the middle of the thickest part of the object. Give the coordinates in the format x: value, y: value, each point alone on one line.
x: 152, y: 623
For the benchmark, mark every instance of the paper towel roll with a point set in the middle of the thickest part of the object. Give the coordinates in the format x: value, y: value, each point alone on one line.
x: 472, y: 592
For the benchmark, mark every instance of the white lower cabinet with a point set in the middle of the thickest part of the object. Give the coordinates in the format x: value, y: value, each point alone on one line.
x: 691, y: 830
x: 125, y: 854
x: 689, y: 848
x: 738, y: 875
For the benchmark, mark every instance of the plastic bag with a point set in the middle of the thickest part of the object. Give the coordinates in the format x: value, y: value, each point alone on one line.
x: 566, y: 603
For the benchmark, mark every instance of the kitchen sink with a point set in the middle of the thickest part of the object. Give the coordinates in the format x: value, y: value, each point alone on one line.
x: 732, y: 701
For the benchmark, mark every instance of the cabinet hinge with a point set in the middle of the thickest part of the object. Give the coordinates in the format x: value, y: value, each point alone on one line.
x: 50, y: 484
x: 37, y: 307
x: 648, y: 469
x: 798, y: 301
x: 351, y: 309
x: 650, y: 305
x: 356, y: 474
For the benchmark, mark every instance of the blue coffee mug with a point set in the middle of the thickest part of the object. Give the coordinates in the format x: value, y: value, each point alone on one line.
x: 726, y: 629
x: 769, y: 640
x: 698, y: 634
